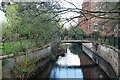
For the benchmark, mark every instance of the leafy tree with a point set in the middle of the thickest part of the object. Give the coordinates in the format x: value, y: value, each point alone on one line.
x: 12, y: 21
x: 77, y: 33
x: 29, y: 21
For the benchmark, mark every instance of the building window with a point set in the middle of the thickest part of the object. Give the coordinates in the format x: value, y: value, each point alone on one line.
x: 101, y: 7
x: 95, y: 23
x: 101, y: 22
x: 95, y: 30
x: 96, y: 14
x: 114, y: 30
x: 95, y: 26
x: 96, y: 8
x: 106, y: 29
x: 101, y: 29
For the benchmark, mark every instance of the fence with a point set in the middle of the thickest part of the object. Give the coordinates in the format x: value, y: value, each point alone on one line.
x: 15, y: 46
x: 110, y: 40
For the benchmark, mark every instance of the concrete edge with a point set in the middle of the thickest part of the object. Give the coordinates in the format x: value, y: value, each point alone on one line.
x: 101, y: 58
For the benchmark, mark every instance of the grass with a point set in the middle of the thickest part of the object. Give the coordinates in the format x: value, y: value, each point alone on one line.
x: 14, y: 46
x: 1, y: 49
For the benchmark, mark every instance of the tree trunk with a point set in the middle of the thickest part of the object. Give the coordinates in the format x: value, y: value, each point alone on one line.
x: 37, y: 41
x: 21, y: 47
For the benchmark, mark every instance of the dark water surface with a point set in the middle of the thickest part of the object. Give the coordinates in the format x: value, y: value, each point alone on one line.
x: 75, y: 64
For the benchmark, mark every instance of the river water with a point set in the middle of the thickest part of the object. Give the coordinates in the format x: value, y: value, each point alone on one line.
x: 74, y: 64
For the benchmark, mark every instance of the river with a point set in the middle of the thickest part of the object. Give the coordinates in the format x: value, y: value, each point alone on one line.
x: 74, y: 64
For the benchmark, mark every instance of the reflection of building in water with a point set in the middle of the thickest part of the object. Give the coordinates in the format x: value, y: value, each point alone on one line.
x: 90, y: 71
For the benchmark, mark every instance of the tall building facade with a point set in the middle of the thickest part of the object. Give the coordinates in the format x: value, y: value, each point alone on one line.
x: 104, y: 26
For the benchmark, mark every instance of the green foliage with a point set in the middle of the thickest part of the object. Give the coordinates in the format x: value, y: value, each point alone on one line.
x: 52, y: 57
x: 64, y: 33
x: 25, y: 20
x: 4, y: 61
x: 1, y: 48
x: 23, y: 68
x: 14, y: 46
x: 97, y: 33
x: 77, y: 33
x: 76, y: 49
x: 109, y: 40
x: 6, y: 30
x: 99, y: 39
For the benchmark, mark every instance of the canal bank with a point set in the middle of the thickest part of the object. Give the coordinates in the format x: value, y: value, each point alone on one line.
x: 74, y: 64
x: 24, y: 64
x: 105, y: 57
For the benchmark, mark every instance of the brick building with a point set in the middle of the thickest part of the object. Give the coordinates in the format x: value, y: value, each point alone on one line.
x: 104, y: 26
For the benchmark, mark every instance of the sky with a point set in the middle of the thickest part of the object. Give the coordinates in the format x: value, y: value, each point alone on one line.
x: 2, y: 15
x: 64, y: 4
x: 78, y: 4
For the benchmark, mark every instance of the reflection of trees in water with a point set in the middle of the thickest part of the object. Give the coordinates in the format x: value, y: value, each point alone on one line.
x: 76, y: 49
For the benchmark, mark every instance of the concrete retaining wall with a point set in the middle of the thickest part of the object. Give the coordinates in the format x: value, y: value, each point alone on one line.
x: 0, y: 69
x: 8, y: 63
x: 104, y: 56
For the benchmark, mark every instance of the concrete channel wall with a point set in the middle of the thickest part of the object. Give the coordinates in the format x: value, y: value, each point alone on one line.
x: 105, y: 57
x: 0, y: 69
x: 8, y: 62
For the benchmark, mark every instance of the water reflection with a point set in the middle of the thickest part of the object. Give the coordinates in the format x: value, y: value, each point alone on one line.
x: 62, y: 72
x: 70, y: 59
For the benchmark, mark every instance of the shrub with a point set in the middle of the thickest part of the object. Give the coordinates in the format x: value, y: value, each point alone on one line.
x: 52, y: 57
x: 97, y: 33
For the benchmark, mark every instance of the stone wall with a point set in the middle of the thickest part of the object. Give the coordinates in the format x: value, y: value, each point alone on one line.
x: 105, y: 57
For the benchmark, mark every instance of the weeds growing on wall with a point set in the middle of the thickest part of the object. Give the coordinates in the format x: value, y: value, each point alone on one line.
x: 24, y: 67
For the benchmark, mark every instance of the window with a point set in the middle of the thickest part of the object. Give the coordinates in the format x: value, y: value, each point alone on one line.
x: 96, y: 14
x: 106, y: 30
x: 96, y: 8
x: 95, y: 30
x: 101, y: 7
x: 95, y: 26
x: 114, y: 30
x: 95, y: 23
x: 101, y: 29
x: 101, y: 22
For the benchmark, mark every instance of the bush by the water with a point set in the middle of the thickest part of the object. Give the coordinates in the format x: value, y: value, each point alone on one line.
x: 52, y: 57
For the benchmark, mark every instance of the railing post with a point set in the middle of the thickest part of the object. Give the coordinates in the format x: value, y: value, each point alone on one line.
x: 114, y: 41
x: 3, y: 41
x: 109, y: 39
x: 21, y: 44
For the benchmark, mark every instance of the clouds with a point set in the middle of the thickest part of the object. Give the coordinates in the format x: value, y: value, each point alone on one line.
x: 65, y: 4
